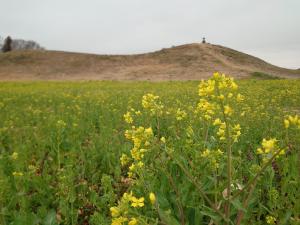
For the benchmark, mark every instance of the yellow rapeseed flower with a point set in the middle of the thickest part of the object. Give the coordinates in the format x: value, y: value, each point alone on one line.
x: 269, y: 148
x: 119, y: 221
x: 153, y: 104
x: 259, y: 151
x: 137, y: 202
x: 228, y: 110
x: 217, y: 122
x: 17, y: 174
x: 180, y: 114
x: 270, y: 219
x: 32, y: 168
x: 269, y: 145
x: 140, y: 164
x: 124, y: 159
x: 138, y: 113
x: 14, y: 156
x: 205, y: 153
x: 61, y: 124
x: 240, y: 98
x: 152, y: 198
x: 128, y: 118
x: 132, y: 167
x: 127, y: 196
x: 286, y: 123
x: 293, y: 120
x: 133, y: 221
x: 115, y: 212
x: 221, y: 97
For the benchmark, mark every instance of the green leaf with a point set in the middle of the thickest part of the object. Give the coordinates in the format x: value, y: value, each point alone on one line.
x: 286, y: 218
x: 167, y: 218
x: 238, y: 205
x: 211, y: 213
x: 50, y: 218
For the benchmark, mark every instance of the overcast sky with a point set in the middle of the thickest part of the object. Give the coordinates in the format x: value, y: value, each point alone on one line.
x: 269, y: 29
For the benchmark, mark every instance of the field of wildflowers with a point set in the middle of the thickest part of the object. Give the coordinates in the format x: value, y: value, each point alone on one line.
x: 170, y: 153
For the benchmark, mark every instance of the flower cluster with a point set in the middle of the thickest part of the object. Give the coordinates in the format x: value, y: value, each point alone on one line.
x: 235, y: 131
x: 180, y: 114
x: 213, y: 157
x: 292, y: 120
x: 152, y: 103
x: 128, y: 118
x: 270, y: 219
x: 269, y: 148
x: 213, y: 87
x: 220, y: 88
x: 61, y: 124
x: 141, y: 138
x: 14, y: 156
x: 120, y: 213
x: 17, y: 174
x: 217, y: 94
x: 206, y: 108
x: 221, y: 130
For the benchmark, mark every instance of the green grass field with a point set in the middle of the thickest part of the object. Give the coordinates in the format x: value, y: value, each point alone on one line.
x: 61, y: 145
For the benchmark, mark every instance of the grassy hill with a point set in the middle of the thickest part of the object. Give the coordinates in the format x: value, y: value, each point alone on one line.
x: 185, y: 62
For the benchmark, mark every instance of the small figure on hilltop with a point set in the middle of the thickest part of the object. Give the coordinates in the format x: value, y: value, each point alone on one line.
x: 203, y: 40
x: 7, y: 44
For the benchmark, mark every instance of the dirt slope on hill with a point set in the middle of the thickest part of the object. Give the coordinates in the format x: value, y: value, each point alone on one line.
x: 185, y: 62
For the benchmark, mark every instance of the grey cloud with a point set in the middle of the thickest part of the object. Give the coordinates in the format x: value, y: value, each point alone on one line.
x: 269, y: 29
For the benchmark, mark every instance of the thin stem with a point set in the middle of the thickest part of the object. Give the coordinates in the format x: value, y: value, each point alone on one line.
x: 198, y: 186
x: 241, y: 213
x: 41, y: 167
x: 172, y: 183
x: 157, y: 126
x: 287, y: 135
x: 229, y: 165
x: 216, y: 185
x: 2, y: 216
x: 156, y: 204
x: 206, y: 135
x: 72, y: 215
x: 179, y: 205
x: 229, y: 159
x: 58, y: 154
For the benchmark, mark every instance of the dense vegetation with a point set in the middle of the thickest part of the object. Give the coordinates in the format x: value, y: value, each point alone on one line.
x: 111, y: 153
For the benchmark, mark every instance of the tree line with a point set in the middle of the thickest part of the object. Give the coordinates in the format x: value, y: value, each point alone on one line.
x: 8, y: 44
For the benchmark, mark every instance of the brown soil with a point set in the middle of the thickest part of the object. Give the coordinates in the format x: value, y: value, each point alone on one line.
x: 185, y: 62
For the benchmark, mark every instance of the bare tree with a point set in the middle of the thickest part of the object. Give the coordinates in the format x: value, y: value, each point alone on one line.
x: 7, y: 44
x: 1, y: 43
x: 20, y: 44
x: 10, y: 44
